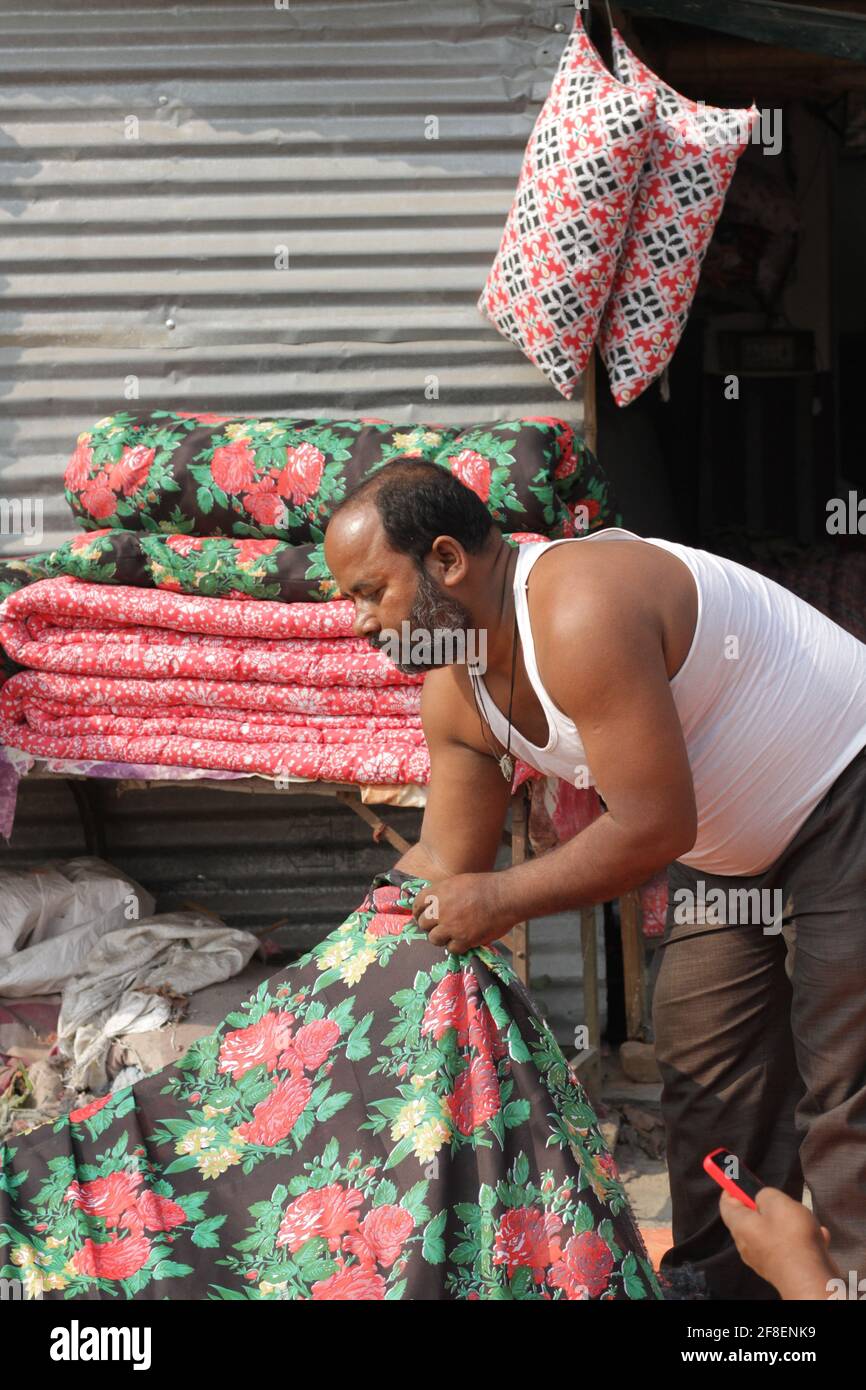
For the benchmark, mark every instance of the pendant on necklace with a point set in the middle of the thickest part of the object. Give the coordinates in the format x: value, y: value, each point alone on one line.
x: 506, y: 767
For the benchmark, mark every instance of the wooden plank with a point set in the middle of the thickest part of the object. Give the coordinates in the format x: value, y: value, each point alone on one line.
x: 587, y: 1062
x: 381, y: 829
x: 589, y: 955
x: 587, y: 1068
x: 517, y: 939
x: 590, y: 410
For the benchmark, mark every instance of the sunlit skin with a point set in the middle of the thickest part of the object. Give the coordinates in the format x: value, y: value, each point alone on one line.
x: 612, y: 623
x: 382, y: 583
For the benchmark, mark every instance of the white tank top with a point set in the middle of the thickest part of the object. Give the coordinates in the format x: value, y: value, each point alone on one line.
x: 768, y: 724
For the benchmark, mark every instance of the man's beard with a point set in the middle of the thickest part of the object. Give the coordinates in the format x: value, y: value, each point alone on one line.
x: 432, y: 610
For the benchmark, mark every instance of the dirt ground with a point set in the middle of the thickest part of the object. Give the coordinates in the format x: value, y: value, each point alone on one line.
x: 630, y: 1115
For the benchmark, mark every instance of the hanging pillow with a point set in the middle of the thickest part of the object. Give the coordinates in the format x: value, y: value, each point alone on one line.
x: 689, y: 167
x: 552, y: 275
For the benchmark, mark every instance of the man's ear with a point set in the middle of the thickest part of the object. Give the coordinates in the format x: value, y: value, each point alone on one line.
x: 447, y: 562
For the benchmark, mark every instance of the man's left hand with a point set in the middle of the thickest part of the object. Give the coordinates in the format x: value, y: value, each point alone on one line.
x: 463, y: 911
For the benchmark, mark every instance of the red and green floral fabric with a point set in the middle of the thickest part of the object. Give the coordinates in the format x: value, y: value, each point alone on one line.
x: 210, y: 566
x: 236, y: 507
x: 214, y: 566
x: 278, y: 478
x: 381, y: 1120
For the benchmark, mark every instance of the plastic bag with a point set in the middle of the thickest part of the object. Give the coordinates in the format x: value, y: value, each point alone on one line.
x: 51, y: 918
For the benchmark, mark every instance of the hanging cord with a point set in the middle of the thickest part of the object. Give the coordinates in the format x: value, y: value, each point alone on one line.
x: 584, y: 5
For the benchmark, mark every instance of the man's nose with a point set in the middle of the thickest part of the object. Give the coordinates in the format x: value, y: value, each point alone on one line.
x: 365, y: 625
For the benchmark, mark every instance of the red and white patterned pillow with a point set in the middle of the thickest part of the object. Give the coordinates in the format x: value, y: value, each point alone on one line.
x: 552, y: 275
x: 682, y: 186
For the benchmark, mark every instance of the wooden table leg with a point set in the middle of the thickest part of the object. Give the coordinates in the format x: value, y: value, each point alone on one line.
x: 86, y: 800
x: 632, y: 963
x: 587, y: 1062
x: 589, y: 954
x: 381, y: 829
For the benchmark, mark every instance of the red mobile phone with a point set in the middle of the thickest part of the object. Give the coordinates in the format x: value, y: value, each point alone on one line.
x: 730, y: 1173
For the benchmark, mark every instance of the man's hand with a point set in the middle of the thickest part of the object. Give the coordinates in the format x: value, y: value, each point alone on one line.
x: 782, y: 1242
x: 463, y: 911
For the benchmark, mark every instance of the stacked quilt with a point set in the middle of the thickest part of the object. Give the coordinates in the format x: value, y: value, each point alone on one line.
x: 135, y: 647
x: 229, y: 506
x: 152, y: 639
x: 284, y: 690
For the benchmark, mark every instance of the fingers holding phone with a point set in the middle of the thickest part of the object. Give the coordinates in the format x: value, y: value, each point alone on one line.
x: 775, y: 1235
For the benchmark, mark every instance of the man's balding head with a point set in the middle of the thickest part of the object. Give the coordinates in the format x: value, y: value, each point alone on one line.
x: 417, y: 501
x: 400, y: 545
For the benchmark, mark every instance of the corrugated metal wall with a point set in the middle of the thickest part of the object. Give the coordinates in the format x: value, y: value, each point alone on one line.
x: 158, y: 163
x: 255, y: 860
x: 161, y: 162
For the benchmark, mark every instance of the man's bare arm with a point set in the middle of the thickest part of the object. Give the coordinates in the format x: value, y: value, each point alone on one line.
x: 467, y: 796
x: 619, y: 697
x: 605, y: 668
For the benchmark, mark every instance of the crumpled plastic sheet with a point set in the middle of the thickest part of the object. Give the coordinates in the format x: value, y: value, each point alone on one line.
x: 131, y: 978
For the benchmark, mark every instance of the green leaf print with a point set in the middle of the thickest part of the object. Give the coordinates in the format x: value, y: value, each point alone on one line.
x: 433, y: 1246
x: 329, y: 1107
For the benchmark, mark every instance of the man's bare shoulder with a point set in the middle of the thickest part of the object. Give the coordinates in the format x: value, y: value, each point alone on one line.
x: 581, y: 590
x: 600, y: 613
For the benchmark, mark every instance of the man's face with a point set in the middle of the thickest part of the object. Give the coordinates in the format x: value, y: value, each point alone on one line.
x: 387, y: 587
x: 433, y: 610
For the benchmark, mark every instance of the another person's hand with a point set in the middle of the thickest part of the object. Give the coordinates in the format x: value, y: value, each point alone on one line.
x: 782, y: 1242
x: 462, y: 911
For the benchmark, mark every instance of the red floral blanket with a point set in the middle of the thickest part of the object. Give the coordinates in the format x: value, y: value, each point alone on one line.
x: 75, y: 602
x: 211, y: 475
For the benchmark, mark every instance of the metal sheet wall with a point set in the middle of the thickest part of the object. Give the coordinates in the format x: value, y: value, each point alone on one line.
x: 300, y: 860
x: 160, y: 164
x: 154, y: 160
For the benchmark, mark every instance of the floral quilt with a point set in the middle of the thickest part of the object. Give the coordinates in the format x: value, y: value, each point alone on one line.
x: 380, y: 1121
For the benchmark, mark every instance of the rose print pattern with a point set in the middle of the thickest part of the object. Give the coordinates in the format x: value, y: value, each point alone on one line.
x: 236, y: 508
x: 171, y: 471
x: 380, y: 1120
x: 210, y: 566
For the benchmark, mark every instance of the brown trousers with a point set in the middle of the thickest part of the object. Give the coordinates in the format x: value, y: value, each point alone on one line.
x: 761, y: 1039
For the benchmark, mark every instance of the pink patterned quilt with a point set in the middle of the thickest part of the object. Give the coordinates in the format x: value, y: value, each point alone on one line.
x: 284, y: 690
